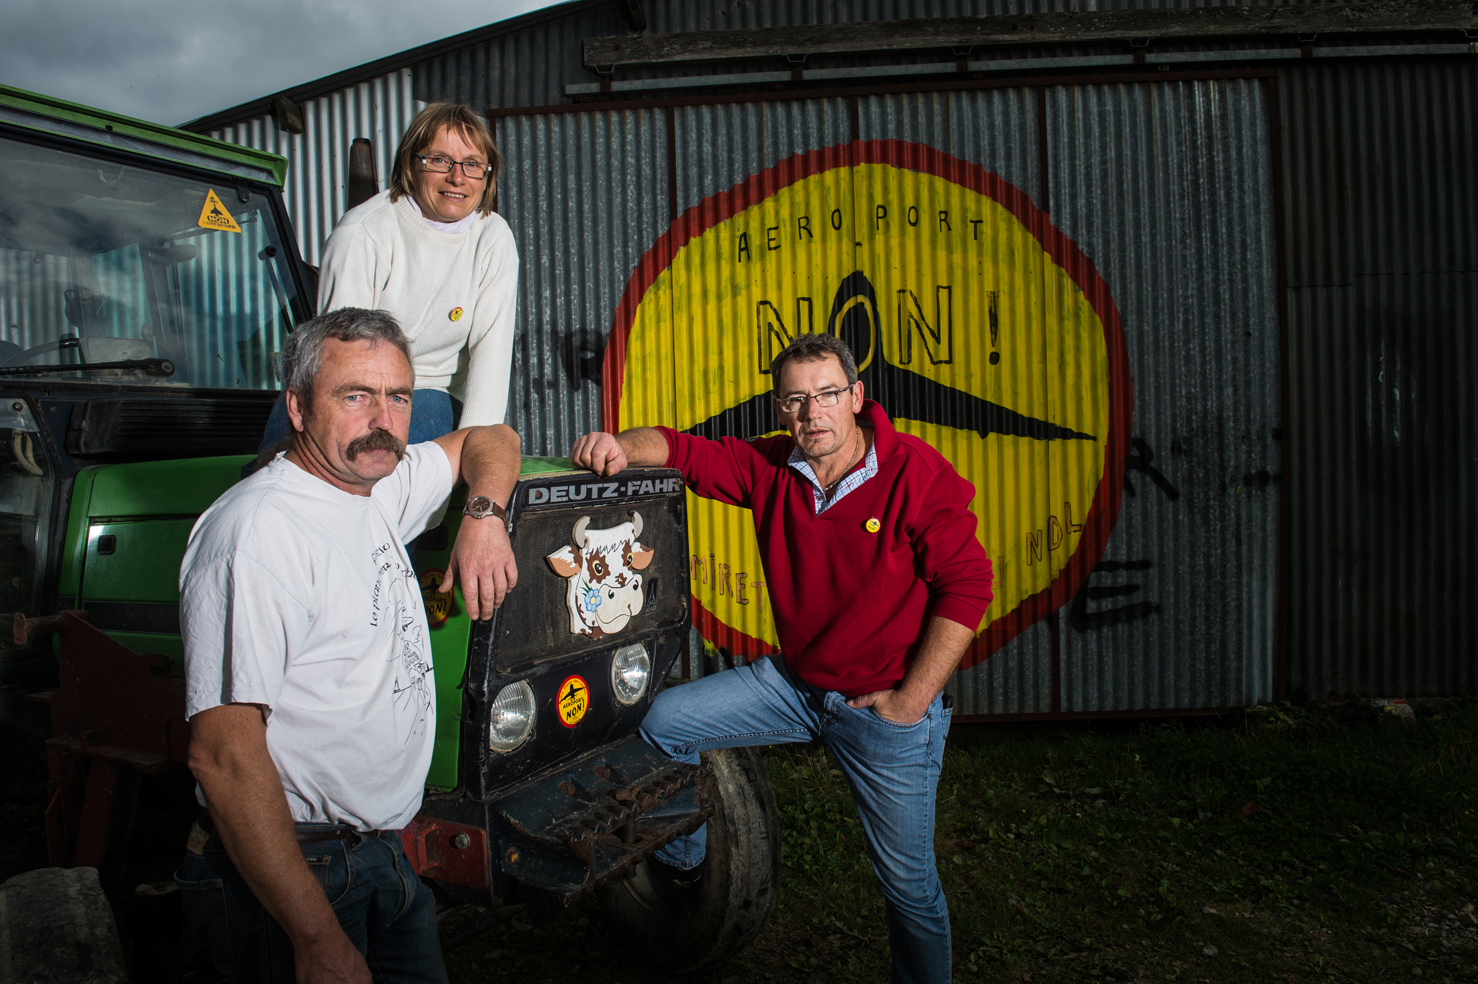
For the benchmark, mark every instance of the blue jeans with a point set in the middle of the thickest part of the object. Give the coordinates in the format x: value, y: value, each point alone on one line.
x: 387, y: 912
x: 892, y: 770
x: 433, y: 413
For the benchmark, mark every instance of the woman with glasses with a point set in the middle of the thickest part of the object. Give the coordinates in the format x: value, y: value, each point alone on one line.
x: 431, y: 251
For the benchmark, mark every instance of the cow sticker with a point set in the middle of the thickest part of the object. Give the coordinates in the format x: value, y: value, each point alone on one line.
x: 601, y: 569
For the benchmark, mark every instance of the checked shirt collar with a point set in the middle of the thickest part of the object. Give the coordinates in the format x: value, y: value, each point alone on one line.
x: 853, y: 480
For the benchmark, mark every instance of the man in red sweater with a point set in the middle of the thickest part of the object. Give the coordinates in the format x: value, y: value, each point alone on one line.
x: 878, y: 585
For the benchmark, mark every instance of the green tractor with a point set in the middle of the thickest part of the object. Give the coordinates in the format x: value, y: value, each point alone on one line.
x: 148, y: 277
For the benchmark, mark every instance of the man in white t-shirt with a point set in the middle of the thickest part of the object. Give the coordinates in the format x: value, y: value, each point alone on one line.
x: 310, y: 686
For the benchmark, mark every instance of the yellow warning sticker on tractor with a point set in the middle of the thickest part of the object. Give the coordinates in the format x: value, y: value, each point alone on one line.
x: 438, y: 603
x: 214, y: 214
x: 573, y: 700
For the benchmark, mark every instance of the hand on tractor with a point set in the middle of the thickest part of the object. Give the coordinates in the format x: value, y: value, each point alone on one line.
x: 599, y: 452
x: 483, y: 558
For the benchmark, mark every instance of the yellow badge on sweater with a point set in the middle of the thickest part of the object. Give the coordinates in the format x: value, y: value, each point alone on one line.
x: 455, y: 314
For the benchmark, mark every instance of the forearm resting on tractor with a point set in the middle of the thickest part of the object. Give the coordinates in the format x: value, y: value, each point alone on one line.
x: 229, y: 757
x: 945, y: 641
x: 486, y: 458
x: 607, y: 454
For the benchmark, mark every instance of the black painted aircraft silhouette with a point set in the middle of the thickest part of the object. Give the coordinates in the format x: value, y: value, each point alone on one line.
x: 903, y: 394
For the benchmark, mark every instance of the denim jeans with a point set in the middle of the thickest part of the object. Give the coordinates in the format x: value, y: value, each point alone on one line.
x: 892, y: 770
x: 433, y: 413
x: 387, y: 912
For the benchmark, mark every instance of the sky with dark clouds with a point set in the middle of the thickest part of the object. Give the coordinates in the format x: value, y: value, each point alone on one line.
x: 171, y: 61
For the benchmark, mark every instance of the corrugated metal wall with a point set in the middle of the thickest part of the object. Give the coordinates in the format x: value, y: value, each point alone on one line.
x: 531, y: 66
x: 1168, y: 188
x: 318, y: 172
x: 1137, y: 172
x: 998, y: 130
x: 576, y: 248
x: 1382, y: 272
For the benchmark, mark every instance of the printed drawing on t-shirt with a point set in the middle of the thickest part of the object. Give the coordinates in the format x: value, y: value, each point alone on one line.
x: 396, y: 599
x: 603, y: 589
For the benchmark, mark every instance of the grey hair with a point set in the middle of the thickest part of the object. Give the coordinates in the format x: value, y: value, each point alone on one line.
x: 814, y: 348
x: 302, y: 354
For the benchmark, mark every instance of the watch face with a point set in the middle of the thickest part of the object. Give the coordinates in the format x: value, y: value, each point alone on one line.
x: 479, y: 505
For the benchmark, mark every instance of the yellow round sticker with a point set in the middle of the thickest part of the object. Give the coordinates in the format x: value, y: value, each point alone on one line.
x: 978, y: 326
x: 873, y: 525
x: 438, y: 604
x: 455, y: 314
x: 573, y: 700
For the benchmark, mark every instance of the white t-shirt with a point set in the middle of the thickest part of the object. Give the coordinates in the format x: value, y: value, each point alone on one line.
x: 299, y: 597
x: 454, y: 294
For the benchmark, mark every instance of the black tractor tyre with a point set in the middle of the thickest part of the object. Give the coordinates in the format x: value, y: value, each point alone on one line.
x: 685, y: 928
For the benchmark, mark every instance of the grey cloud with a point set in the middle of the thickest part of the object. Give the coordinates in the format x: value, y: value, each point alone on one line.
x: 174, y: 60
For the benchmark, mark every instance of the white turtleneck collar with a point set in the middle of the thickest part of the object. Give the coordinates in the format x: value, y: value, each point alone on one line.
x: 447, y: 227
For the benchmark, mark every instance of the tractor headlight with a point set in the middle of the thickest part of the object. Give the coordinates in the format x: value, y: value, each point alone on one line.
x: 512, y: 718
x: 631, y: 669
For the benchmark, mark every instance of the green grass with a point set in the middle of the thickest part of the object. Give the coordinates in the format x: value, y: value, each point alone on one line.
x: 1320, y: 844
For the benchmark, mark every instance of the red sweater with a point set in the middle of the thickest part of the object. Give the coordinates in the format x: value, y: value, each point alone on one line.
x: 851, y: 605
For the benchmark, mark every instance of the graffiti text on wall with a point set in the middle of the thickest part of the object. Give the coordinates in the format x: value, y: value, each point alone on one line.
x: 976, y: 325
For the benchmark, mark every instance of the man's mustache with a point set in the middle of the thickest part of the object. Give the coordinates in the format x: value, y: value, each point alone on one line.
x: 378, y: 439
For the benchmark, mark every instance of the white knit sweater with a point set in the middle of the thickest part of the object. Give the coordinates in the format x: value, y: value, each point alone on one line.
x: 453, y: 294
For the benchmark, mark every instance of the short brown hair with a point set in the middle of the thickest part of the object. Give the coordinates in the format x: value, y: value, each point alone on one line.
x: 814, y: 348
x: 302, y: 354
x: 423, y: 129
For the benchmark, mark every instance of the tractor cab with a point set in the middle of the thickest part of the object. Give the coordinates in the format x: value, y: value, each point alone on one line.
x: 147, y: 279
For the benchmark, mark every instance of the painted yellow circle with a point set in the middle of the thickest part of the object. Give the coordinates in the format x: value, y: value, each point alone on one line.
x: 438, y: 604
x: 573, y: 700
x: 455, y: 314
x: 873, y: 525
x: 960, y: 295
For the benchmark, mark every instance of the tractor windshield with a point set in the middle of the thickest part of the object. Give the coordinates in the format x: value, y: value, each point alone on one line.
x: 151, y: 277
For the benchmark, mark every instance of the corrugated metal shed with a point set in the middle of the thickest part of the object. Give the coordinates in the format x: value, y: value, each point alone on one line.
x: 1298, y: 420
x: 1169, y: 188
x: 316, y: 190
x: 1382, y: 226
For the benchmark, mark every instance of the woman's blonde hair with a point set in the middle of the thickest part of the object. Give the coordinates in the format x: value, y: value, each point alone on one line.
x: 423, y: 129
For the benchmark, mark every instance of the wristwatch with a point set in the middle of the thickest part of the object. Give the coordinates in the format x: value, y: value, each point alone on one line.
x: 481, y: 507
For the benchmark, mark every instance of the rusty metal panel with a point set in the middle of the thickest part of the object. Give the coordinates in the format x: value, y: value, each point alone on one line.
x: 316, y: 192
x: 584, y: 194
x: 1169, y: 189
x: 1381, y: 219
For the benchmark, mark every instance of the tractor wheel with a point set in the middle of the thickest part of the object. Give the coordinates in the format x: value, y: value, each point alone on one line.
x: 684, y: 928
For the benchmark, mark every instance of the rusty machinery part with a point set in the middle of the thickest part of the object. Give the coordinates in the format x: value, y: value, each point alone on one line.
x: 115, y: 718
x: 27, y: 630
x: 686, y: 928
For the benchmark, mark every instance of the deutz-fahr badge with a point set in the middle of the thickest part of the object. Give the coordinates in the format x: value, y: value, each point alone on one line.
x: 573, y: 700
x: 438, y: 604
x: 604, y: 589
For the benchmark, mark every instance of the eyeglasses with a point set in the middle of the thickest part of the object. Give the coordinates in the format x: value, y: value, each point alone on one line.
x: 826, y: 398
x: 476, y: 170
